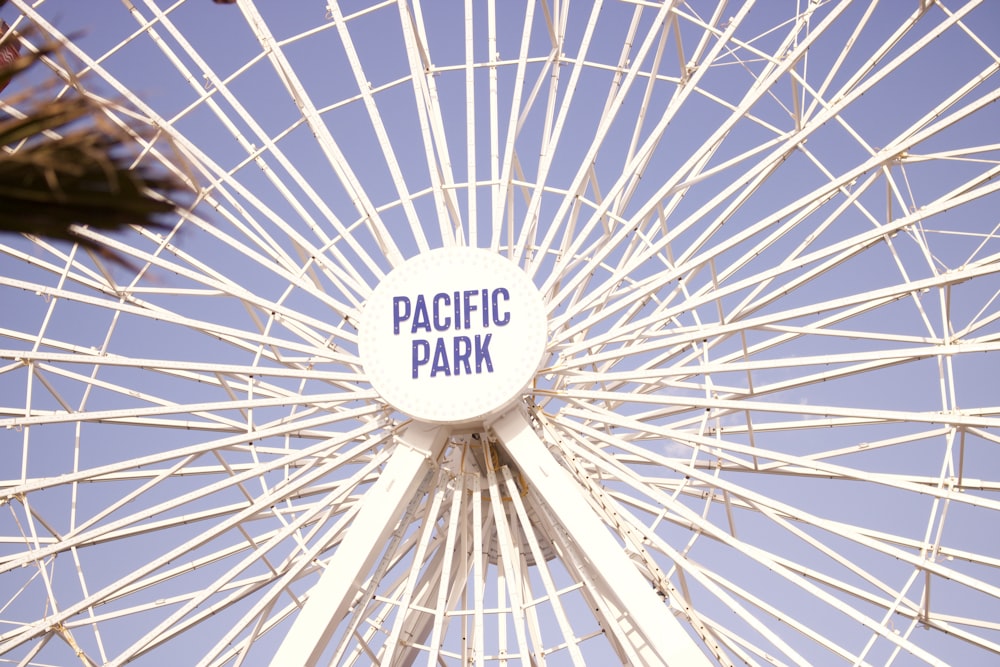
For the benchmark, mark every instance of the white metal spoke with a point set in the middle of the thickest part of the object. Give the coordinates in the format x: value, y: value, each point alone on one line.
x: 655, y: 625
x: 313, y: 628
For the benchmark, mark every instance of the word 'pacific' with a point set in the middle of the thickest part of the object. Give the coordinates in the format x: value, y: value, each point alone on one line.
x: 452, y: 311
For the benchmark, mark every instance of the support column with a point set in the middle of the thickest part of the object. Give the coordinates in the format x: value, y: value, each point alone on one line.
x: 659, y: 632
x: 330, y: 599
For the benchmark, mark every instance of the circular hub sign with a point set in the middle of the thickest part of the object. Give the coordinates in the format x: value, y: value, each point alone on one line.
x: 453, y: 335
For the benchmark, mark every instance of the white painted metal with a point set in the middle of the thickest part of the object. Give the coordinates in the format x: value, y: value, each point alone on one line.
x: 341, y: 583
x: 659, y: 633
x: 766, y: 429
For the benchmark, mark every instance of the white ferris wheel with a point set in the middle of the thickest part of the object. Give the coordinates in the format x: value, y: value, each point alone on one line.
x: 516, y: 333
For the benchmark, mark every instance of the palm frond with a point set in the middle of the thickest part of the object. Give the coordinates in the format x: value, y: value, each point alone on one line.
x: 64, y: 165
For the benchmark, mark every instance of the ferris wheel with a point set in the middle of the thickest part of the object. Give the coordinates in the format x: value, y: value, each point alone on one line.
x: 557, y: 333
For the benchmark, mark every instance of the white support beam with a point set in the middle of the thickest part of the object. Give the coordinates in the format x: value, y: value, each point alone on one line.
x: 658, y: 631
x: 330, y: 599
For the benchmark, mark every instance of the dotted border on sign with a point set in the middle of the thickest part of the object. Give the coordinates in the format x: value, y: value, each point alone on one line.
x: 491, y: 395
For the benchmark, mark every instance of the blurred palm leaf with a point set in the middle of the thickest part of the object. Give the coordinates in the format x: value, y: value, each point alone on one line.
x: 65, y: 165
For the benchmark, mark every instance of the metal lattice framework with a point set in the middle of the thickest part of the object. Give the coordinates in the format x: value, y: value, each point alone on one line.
x: 767, y: 425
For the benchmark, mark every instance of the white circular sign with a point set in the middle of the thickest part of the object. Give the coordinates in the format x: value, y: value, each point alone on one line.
x: 453, y: 335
